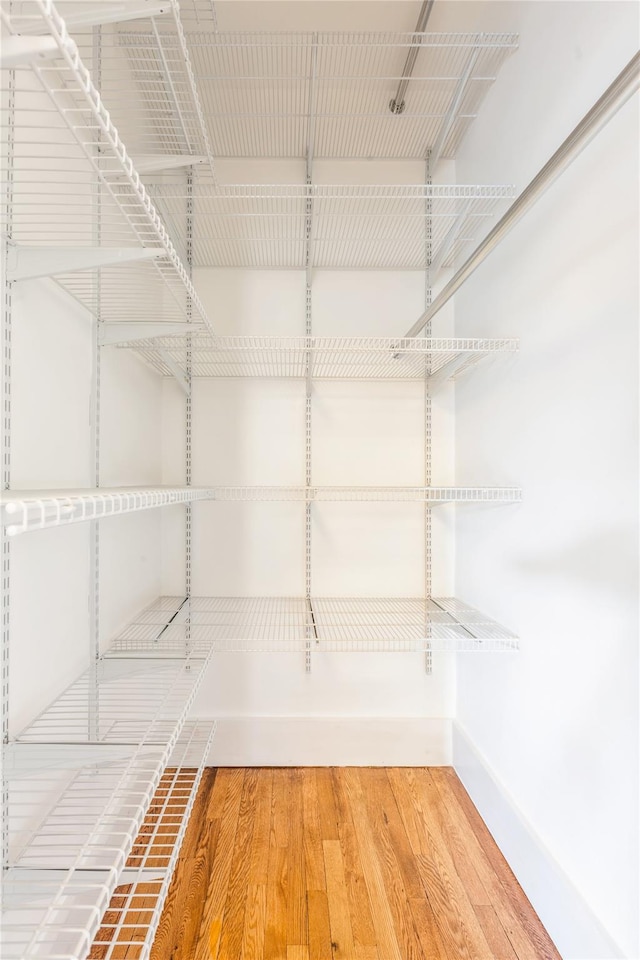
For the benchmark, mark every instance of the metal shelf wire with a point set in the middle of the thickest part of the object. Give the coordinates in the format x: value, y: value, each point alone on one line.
x: 73, y: 186
x: 113, y: 821
x: 28, y: 510
x: 433, y: 496
x: 288, y: 624
x: 354, y: 227
x: 271, y: 94
x: 324, y: 358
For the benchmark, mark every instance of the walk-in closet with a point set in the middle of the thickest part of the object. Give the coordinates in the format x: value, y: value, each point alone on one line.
x: 319, y: 479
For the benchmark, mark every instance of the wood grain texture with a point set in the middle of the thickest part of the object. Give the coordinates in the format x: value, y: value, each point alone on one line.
x: 342, y: 864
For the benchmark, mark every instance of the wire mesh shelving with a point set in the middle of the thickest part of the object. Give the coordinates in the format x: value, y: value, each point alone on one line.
x: 26, y: 511
x: 83, y: 779
x: 77, y: 201
x: 331, y: 624
x: 270, y: 94
x: 323, y: 358
x: 355, y: 227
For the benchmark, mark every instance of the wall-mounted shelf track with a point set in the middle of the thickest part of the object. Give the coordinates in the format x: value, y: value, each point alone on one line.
x: 323, y: 358
x: 71, y: 171
x: 355, y: 227
x: 283, y: 624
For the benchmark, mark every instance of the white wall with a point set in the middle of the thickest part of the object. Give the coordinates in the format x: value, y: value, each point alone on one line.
x: 248, y: 432
x: 51, y: 449
x: 557, y: 726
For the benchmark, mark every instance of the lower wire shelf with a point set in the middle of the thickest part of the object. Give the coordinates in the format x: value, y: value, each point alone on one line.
x: 199, y: 625
x: 82, y: 782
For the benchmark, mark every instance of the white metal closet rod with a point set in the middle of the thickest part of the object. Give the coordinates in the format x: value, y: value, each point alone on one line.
x: 614, y: 97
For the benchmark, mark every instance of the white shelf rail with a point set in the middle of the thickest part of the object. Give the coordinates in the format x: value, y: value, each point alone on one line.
x: 71, y: 170
x: 27, y: 510
x: 164, y: 125
x: 337, y: 625
x: 396, y: 494
x: 323, y: 358
x: 255, y: 91
x: 113, y: 822
x: 354, y: 226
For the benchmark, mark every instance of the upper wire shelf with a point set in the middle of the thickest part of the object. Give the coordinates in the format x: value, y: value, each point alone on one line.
x: 84, y: 819
x: 274, y: 94
x: 75, y: 201
x: 26, y: 511
x: 330, y: 624
x: 323, y: 358
x: 380, y: 227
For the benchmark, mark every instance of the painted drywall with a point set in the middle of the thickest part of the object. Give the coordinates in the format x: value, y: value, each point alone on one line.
x: 558, y: 724
x: 51, y: 449
x: 254, y: 433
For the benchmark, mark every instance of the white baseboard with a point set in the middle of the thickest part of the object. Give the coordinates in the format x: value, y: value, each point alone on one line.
x: 331, y: 741
x: 570, y: 922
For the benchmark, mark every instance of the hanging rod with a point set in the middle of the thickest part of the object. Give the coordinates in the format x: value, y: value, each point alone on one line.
x: 614, y: 97
x: 397, y: 104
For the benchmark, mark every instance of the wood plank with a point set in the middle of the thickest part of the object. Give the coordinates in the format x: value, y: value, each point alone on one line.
x: 313, y: 855
x: 297, y: 951
x: 360, y: 908
x: 326, y: 804
x: 297, y: 926
x: 275, y: 938
x: 428, y: 931
x: 279, y: 808
x: 234, y: 909
x: 228, y: 812
x: 379, y: 809
x: 255, y: 922
x: 339, y: 913
x: 259, y: 860
x: 387, y: 830
x: 459, y: 926
x: 383, y: 922
x: 319, y: 926
x: 494, y: 933
x: 515, y: 913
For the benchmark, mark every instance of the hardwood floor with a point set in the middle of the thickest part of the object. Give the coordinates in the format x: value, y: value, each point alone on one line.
x: 343, y: 864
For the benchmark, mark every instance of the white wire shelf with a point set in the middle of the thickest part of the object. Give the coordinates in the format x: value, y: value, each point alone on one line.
x: 433, y: 496
x: 115, y: 820
x: 354, y: 227
x: 272, y: 94
x: 27, y: 510
x: 329, y: 625
x: 324, y: 358
x: 73, y: 187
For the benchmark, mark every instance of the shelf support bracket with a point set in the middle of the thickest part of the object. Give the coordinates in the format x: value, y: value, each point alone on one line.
x: 449, y: 239
x: 179, y: 375
x: 452, y: 112
x: 103, y: 13
x: 130, y: 331
x: 17, y: 51
x: 30, y: 263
